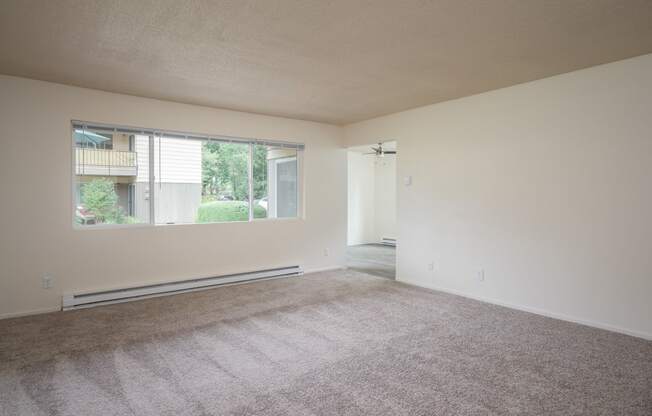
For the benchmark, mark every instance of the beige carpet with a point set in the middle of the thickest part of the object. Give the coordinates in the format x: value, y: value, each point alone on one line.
x: 335, y: 343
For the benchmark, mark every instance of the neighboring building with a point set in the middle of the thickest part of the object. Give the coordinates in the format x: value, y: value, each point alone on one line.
x: 124, y: 159
x: 177, y: 169
x: 110, y: 156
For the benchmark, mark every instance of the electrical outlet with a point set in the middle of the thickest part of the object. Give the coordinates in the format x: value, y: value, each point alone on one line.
x: 48, y: 281
x: 431, y: 266
x: 481, y: 275
x: 326, y: 252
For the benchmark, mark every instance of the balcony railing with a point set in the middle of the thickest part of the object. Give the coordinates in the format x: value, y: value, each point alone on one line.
x: 105, y: 162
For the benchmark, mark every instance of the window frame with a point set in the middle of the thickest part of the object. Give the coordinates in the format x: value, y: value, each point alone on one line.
x: 152, y: 134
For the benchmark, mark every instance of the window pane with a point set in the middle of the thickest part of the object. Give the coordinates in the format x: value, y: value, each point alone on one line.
x: 275, y: 182
x: 200, y: 181
x: 108, y: 169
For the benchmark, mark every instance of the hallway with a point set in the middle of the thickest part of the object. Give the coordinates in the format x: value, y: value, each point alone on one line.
x: 376, y: 259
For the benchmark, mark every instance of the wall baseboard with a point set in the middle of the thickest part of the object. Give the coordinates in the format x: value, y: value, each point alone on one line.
x: 21, y: 314
x: 537, y: 311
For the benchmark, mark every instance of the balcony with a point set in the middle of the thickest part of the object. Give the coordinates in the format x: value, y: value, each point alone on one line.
x: 100, y: 162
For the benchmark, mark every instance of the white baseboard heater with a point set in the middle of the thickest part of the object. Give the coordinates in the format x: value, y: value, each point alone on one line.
x: 85, y: 300
x: 388, y: 241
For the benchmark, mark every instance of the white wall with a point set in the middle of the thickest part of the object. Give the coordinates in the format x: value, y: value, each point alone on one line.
x: 372, y: 198
x: 385, y: 198
x: 36, y: 233
x: 361, y: 199
x: 547, y: 186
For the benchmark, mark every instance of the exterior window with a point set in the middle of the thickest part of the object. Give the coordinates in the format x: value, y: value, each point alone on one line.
x: 106, y: 174
x: 93, y: 140
x: 158, y: 178
x: 200, y: 181
x: 275, y: 178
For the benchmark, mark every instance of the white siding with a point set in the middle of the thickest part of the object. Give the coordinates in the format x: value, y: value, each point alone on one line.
x: 142, y: 156
x: 181, y: 160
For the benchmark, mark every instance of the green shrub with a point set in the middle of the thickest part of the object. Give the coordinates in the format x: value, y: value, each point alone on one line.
x: 99, y: 197
x: 224, y: 211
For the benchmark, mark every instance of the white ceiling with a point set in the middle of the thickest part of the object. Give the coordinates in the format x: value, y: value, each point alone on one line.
x: 336, y: 61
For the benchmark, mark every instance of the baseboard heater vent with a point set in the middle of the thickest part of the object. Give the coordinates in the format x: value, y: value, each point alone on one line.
x: 388, y: 241
x: 85, y: 300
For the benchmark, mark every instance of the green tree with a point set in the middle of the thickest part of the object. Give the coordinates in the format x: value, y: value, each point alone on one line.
x: 260, y: 171
x: 100, y: 198
x: 225, y: 169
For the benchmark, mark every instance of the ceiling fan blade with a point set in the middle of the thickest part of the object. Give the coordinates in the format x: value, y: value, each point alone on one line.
x: 376, y: 149
x: 390, y: 152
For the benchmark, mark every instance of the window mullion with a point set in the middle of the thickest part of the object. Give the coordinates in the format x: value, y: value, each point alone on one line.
x: 152, y: 181
x: 251, y: 181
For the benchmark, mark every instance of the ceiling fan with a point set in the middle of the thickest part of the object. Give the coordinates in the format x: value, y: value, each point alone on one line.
x: 380, y: 152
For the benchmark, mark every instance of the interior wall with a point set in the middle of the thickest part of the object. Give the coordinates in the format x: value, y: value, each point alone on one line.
x: 37, y: 236
x: 544, y: 186
x: 385, y: 198
x: 361, y: 199
x: 371, y: 198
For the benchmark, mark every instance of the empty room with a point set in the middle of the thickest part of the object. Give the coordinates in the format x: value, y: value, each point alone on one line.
x: 337, y: 207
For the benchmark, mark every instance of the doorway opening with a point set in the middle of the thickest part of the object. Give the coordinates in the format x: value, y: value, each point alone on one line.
x: 371, y: 232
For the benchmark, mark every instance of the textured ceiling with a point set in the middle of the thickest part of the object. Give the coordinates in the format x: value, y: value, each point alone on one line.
x: 335, y: 61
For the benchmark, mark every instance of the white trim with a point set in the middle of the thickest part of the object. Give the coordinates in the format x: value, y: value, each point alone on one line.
x: 301, y: 192
x: 250, y: 178
x: 537, y: 311
x: 85, y: 227
x: 21, y: 314
x: 115, y: 128
x: 151, y: 180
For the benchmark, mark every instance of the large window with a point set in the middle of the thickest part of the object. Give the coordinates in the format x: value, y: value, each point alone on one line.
x: 275, y: 176
x: 131, y: 176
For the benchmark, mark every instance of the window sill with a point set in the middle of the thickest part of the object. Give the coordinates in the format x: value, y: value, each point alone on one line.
x: 77, y: 227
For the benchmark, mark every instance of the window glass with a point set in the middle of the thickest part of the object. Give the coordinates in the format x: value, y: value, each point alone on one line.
x: 275, y: 182
x: 200, y: 181
x: 107, y: 173
x: 126, y: 178
x: 93, y: 140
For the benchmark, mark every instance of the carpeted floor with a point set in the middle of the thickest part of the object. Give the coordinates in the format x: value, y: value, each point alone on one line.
x: 375, y: 259
x: 332, y: 343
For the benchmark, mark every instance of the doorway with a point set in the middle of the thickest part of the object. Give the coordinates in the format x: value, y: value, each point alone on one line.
x: 371, y: 231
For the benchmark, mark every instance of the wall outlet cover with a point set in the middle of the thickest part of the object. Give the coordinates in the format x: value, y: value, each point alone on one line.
x: 47, y: 282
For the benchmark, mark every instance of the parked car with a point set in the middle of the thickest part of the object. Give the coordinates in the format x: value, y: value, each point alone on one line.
x: 263, y: 202
x: 84, y: 216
